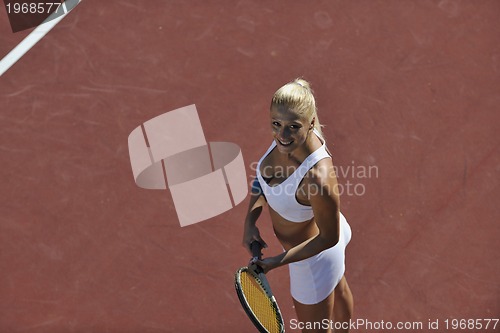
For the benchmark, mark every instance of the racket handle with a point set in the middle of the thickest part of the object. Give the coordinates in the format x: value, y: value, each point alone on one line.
x: 255, y: 247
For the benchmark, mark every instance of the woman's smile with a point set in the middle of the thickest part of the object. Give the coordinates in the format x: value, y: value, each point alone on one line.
x: 285, y: 143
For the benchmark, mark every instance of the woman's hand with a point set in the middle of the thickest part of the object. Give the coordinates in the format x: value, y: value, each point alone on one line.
x: 267, y: 264
x: 251, y: 234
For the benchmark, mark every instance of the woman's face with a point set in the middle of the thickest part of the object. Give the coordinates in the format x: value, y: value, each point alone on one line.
x: 290, y: 128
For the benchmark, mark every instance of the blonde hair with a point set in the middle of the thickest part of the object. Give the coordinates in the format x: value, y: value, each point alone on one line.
x: 298, y: 95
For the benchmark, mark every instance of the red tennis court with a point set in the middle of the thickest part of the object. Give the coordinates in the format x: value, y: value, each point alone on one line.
x: 409, y: 92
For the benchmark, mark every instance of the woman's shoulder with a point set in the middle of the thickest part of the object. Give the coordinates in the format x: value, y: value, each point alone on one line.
x: 322, y: 173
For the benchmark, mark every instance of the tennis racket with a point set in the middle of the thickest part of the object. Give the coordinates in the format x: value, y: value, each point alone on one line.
x: 256, y: 297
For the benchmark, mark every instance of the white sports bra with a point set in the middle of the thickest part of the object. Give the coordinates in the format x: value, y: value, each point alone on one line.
x: 281, y: 197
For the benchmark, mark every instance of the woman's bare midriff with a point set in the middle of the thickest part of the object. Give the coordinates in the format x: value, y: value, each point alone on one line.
x: 291, y: 234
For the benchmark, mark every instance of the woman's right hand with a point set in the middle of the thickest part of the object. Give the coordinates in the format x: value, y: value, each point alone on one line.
x: 251, y: 234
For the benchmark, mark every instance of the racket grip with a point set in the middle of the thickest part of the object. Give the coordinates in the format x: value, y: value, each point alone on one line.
x: 255, y: 247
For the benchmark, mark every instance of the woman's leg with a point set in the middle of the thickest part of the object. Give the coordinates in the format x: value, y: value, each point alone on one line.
x: 344, y: 305
x: 321, y: 317
x: 312, y: 316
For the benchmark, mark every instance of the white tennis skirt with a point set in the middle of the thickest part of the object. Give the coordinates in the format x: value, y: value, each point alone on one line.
x: 314, y: 278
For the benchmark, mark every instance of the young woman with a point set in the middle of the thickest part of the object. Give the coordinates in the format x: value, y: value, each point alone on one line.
x: 296, y: 180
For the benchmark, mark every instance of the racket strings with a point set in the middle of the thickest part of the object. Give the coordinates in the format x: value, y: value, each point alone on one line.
x: 261, y: 305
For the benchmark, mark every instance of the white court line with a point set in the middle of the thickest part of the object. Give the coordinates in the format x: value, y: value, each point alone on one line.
x: 34, y: 37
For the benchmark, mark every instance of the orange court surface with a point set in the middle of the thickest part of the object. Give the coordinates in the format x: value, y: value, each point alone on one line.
x: 408, y: 91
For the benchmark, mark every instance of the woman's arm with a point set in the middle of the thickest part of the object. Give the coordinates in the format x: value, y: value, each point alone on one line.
x: 257, y: 201
x: 321, y: 187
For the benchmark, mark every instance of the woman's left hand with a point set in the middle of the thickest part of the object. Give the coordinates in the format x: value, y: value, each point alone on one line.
x: 267, y: 264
